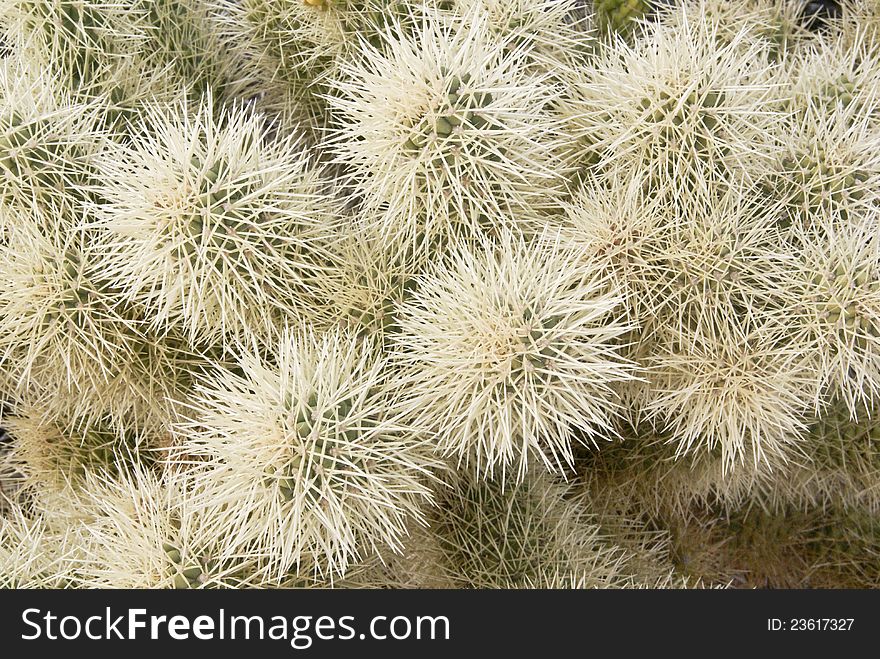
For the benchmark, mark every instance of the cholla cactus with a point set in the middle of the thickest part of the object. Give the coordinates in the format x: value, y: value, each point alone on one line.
x: 52, y: 454
x: 118, y: 54
x: 556, y: 34
x: 859, y: 16
x: 183, y: 43
x: 302, y: 457
x: 63, y: 334
x: 841, y: 467
x: 446, y: 131
x: 838, y: 72
x: 69, y: 343
x: 609, y: 224
x: 835, y: 316
x: 712, y: 289
x: 46, y: 140
x: 779, y: 24
x: 642, y: 475
x: 292, y: 45
x: 830, y: 169
x: 143, y: 532
x: 677, y: 107
x: 33, y: 555
x: 370, y: 278
x: 843, y: 550
x: 421, y: 563
x: 506, y: 349
x: 816, y: 548
x: 91, y: 44
x: 742, y: 400
x: 497, y: 533
x: 704, y: 268
x: 209, y: 226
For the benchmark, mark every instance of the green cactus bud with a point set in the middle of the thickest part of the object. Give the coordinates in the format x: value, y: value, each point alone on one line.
x: 443, y: 127
x: 192, y: 573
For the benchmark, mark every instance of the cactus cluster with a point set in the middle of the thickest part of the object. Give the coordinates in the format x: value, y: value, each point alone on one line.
x: 439, y: 293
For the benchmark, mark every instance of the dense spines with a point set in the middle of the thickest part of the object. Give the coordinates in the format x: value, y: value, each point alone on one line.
x: 503, y: 533
x: 556, y: 34
x: 858, y: 16
x: 641, y: 478
x: 72, y: 344
x: 32, y: 555
x: 47, y: 453
x: 302, y: 456
x: 445, y: 132
x: 791, y: 548
x: 744, y: 400
x: 290, y: 45
x: 837, y: 71
x: 47, y: 140
x: 183, y: 44
x: 370, y: 277
x: 208, y: 224
x: 833, y: 313
x: 678, y: 108
x: 828, y: 172
x: 62, y: 330
x: 90, y: 44
x: 505, y: 349
x: 142, y: 531
x: 839, y: 467
x: 777, y: 25
x: 706, y: 271
x: 291, y: 48
x: 709, y: 290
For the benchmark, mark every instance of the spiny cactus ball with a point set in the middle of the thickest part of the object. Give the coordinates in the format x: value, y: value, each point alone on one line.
x: 447, y: 132
x: 301, y: 456
x: 208, y: 226
x: 500, y: 345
